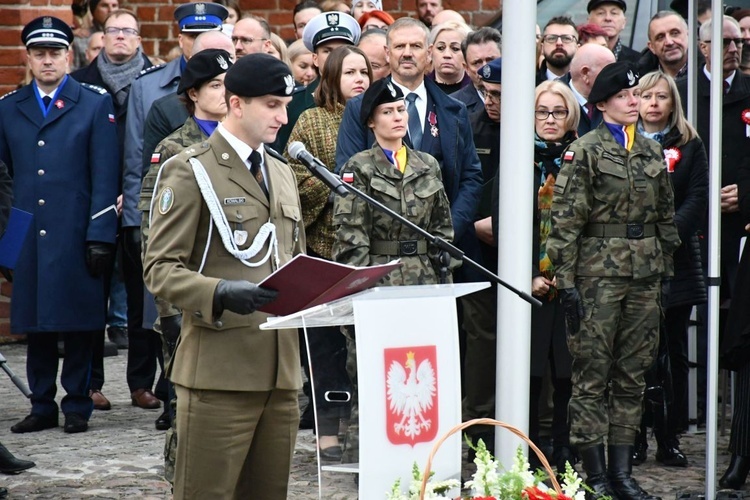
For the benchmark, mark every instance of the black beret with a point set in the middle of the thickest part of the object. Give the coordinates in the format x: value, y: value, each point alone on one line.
x: 47, y: 31
x: 613, y: 78
x: 200, y: 17
x: 382, y: 91
x: 255, y: 75
x: 492, y: 72
x: 202, y: 67
x: 593, y: 4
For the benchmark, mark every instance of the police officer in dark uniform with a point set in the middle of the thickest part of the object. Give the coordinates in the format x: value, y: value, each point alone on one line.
x: 59, y: 140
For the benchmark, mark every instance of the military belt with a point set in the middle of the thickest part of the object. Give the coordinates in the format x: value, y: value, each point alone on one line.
x: 406, y: 248
x: 630, y: 231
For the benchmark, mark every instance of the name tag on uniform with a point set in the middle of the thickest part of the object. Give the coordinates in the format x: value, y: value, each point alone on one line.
x: 234, y: 201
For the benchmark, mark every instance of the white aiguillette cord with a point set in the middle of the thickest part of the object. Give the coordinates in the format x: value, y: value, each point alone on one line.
x: 267, y: 230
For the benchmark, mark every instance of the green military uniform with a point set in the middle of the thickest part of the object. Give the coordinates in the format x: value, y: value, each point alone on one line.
x: 612, y: 238
x: 226, y: 366
x: 172, y: 145
x: 365, y: 236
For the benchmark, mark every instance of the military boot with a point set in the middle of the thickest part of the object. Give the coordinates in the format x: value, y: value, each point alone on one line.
x: 668, y: 446
x: 640, y: 450
x: 620, y: 469
x: 12, y: 465
x: 595, y: 467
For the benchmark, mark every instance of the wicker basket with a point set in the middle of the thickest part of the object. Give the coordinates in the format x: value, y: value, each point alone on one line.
x: 497, y: 423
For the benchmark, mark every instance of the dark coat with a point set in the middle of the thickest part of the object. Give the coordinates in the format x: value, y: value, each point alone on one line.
x: 166, y: 115
x: 690, y: 184
x: 6, y: 196
x: 487, y: 143
x: 734, y: 151
x: 453, y: 148
x: 586, y: 124
x: 65, y: 170
x: 470, y: 97
x: 628, y: 54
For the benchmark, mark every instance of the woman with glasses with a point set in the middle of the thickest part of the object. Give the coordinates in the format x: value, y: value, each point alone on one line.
x: 346, y: 74
x: 662, y: 119
x: 611, y: 246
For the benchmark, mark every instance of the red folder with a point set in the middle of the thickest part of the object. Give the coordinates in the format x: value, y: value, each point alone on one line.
x: 307, y: 281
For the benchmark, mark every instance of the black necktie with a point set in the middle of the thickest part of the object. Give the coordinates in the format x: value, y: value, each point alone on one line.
x: 415, y: 124
x: 46, y: 100
x: 726, y: 87
x: 257, y: 172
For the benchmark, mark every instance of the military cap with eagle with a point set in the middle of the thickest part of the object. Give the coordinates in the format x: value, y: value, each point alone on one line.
x: 492, y: 72
x: 613, y: 78
x: 382, y: 91
x: 331, y: 26
x: 201, y: 16
x: 202, y: 67
x: 47, y: 31
x: 242, y: 78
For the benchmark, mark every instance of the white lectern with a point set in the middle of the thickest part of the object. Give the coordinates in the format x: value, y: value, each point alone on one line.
x: 409, y: 378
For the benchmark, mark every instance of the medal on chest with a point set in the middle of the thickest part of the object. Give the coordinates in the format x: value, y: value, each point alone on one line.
x: 746, y: 119
x: 432, y: 119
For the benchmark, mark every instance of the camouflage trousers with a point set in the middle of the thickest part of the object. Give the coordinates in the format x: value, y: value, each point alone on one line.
x: 615, y: 346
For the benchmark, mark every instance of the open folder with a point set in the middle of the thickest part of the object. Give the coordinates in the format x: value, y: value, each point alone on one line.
x: 12, y: 240
x: 306, y: 281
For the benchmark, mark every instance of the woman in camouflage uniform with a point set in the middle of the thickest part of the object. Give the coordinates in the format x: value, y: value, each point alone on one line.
x: 611, y: 243
x: 407, y: 181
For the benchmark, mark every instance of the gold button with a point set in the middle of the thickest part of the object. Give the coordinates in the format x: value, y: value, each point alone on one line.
x: 40, y: 143
x: 40, y: 172
x: 41, y: 203
x: 42, y: 233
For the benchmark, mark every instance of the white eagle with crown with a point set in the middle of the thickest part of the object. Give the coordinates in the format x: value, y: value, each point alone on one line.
x: 411, y: 390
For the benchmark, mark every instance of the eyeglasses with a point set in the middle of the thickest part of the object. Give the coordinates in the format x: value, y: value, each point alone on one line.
x: 550, y: 39
x: 246, y: 41
x: 495, y: 95
x: 726, y: 41
x: 125, y: 31
x: 557, y: 114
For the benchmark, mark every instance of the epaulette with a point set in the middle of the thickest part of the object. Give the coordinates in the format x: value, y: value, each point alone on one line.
x: 150, y: 70
x: 94, y: 88
x: 275, y: 154
x: 9, y: 93
x: 195, y: 149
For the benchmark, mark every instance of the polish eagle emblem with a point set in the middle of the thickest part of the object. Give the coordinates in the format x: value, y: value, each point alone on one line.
x: 411, y: 391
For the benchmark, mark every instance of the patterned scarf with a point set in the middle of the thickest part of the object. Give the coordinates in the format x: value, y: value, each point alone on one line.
x: 548, y: 156
x: 118, y: 77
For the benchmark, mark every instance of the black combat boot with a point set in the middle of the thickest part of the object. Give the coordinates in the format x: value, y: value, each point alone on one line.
x: 736, y: 474
x: 620, y: 459
x: 595, y: 467
x: 668, y: 451
x: 12, y: 465
x: 640, y: 450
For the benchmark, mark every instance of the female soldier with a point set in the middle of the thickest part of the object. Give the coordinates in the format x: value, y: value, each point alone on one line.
x: 611, y: 244
x: 347, y: 74
x: 405, y: 180
x: 661, y: 119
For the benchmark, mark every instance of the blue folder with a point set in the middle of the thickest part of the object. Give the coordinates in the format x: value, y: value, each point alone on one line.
x: 12, y: 241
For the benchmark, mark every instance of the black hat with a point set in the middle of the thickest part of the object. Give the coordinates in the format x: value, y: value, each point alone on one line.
x: 47, y: 31
x: 255, y: 75
x: 202, y: 67
x: 613, y: 78
x: 492, y: 72
x: 329, y: 26
x: 382, y: 91
x: 593, y: 4
x: 200, y: 17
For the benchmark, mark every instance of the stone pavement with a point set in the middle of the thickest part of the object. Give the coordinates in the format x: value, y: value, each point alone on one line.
x: 120, y: 457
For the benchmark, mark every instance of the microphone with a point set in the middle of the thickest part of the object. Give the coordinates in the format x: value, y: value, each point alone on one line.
x: 297, y: 151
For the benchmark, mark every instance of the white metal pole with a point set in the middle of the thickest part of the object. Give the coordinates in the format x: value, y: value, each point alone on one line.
x: 515, y: 222
x: 714, y: 243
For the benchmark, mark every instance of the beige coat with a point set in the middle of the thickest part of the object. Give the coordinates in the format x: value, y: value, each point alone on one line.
x: 227, y: 353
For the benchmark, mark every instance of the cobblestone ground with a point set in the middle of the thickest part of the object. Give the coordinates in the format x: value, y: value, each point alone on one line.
x: 120, y: 456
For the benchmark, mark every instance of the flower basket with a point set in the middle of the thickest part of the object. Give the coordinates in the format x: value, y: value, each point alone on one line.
x: 496, y: 423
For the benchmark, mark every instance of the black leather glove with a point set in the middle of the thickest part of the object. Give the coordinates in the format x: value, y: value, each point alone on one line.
x: 666, y: 287
x: 573, y: 307
x: 241, y: 297
x: 132, y: 242
x: 170, y: 328
x: 100, y: 257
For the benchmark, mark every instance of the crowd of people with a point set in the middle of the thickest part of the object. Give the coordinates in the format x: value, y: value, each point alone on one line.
x: 185, y: 197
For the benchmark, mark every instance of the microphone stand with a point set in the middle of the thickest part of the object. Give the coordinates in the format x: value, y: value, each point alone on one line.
x: 441, y: 244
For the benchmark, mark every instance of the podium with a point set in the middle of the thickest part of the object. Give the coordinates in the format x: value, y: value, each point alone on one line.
x: 409, y: 378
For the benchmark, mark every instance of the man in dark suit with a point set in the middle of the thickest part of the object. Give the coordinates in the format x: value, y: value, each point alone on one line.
x: 479, y: 48
x: 559, y: 45
x: 585, y: 67
x: 59, y: 140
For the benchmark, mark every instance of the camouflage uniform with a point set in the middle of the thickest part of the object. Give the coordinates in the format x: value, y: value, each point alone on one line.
x: 170, y: 146
x: 612, y: 238
x: 365, y: 236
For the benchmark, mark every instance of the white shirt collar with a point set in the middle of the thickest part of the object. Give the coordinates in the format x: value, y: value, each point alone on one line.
x: 421, y: 91
x: 242, y: 149
x: 581, y: 100
x: 728, y: 79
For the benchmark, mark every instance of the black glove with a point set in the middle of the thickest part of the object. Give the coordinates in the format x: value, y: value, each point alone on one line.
x: 100, y: 257
x: 241, y: 297
x: 131, y: 237
x: 170, y: 328
x: 573, y: 307
x: 666, y: 287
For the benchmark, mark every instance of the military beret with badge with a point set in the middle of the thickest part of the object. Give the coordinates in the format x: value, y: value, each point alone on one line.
x: 380, y: 92
x: 492, y: 72
x: 613, y: 78
x: 199, y: 17
x: 242, y: 78
x: 47, y: 31
x: 203, y: 67
x: 329, y: 26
